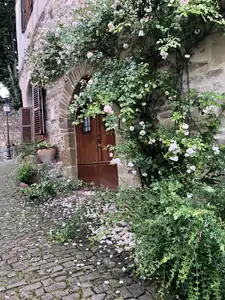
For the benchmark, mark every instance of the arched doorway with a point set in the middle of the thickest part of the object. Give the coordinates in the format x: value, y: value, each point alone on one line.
x: 93, y: 155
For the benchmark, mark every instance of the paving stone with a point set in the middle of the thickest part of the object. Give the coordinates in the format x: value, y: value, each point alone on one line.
x: 39, y: 292
x: 147, y: 296
x: 71, y: 297
x: 55, y: 286
x: 87, y: 292
x: 17, y: 284
x: 31, y: 287
x: 60, y: 294
x: 125, y: 293
x: 47, y: 282
x: 136, y: 290
x: 47, y: 297
x: 109, y: 263
x: 98, y: 297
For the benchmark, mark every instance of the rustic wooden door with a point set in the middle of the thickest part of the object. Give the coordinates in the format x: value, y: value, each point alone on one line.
x: 93, y: 153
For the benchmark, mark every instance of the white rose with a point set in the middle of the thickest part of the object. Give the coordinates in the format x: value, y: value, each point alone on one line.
x: 89, y: 55
x: 142, y: 132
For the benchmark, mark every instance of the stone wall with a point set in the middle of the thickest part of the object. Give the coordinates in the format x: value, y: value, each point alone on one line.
x: 13, y: 128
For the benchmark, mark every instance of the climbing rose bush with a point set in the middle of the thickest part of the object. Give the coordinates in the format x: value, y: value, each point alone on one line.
x: 141, y: 52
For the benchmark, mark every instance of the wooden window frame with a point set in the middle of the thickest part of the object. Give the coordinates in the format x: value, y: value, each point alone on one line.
x: 38, y: 99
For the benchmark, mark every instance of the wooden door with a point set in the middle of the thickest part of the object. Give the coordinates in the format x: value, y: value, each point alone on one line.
x: 93, y: 153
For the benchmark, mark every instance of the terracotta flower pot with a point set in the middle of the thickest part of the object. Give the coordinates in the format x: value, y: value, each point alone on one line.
x: 47, y: 155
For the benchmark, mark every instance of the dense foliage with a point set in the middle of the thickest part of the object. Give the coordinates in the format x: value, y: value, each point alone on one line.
x: 141, y: 52
x: 8, y: 51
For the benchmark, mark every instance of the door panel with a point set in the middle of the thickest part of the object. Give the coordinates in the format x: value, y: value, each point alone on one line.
x: 93, y: 154
x: 87, y: 149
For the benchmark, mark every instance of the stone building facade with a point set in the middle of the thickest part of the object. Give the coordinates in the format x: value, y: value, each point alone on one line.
x: 207, y: 73
x: 59, y: 130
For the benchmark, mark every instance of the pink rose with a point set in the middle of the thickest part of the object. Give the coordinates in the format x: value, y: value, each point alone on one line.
x: 23, y: 185
x: 108, y: 109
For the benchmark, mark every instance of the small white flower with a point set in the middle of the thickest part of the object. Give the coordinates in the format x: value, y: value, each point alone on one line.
x: 167, y: 93
x: 131, y: 128
x: 143, y: 103
x: 164, y: 54
x: 106, y: 282
x: 111, y: 27
x: 123, y: 120
x: 130, y: 165
x: 124, y: 269
x: 111, y: 154
x: 142, y: 123
x: 185, y: 126
x: 187, y: 56
x: 141, y: 33
x: 144, y: 174
x: 151, y: 141
x: 192, y: 168
x: 174, y: 158
x: 89, y: 55
x: 186, y: 132
x: 189, y: 152
x: 121, y: 281
x: 142, y: 132
x: 134, y: 172
x: 216, y: 150
x: 173, y: 147
x: 189, y: 195
x: 125, y: 46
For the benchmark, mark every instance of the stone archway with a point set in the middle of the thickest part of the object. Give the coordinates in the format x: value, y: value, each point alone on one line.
x: 67, y: 130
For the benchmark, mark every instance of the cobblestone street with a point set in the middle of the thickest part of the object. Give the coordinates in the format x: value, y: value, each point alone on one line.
x: 33, y: 267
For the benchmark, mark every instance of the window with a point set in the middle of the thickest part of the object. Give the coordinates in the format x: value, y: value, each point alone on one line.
x: 26, y: 10
x: 87, y: 125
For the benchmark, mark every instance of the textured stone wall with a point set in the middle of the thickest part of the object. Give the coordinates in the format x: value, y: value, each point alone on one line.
x: 13, y: 128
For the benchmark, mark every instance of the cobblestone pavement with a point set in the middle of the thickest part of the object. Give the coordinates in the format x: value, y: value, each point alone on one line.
x: 33, y: 267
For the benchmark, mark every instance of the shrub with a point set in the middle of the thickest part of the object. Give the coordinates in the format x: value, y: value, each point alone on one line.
x: 176, y: 241
x: 25, y: 173
x: 25, y: 150
x: 48, y: 188
x: 180, y: 244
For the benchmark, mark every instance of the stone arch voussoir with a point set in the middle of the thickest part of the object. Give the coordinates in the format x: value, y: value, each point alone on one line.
x: 69, y: 152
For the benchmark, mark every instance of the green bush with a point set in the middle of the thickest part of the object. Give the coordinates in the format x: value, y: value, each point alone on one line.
x: 49, y: 188
x: 26, y: 149
x: 180, y: 243
x: 25, y: 173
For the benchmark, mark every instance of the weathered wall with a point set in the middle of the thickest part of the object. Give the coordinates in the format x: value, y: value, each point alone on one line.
x: 13, y: 128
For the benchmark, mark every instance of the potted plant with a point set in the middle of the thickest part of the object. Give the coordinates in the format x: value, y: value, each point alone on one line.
x: 46, y: 152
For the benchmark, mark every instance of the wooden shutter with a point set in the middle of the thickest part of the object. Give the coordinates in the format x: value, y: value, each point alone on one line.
x: 38, y: 106
x: 26, y: 128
